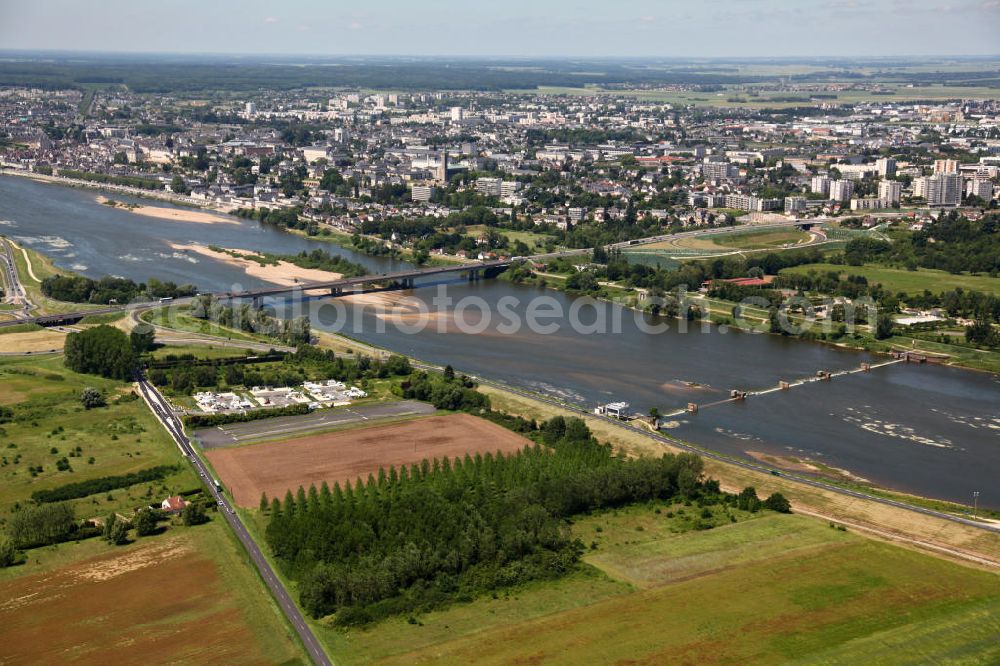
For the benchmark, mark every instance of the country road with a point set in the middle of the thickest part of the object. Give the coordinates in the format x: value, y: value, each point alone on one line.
x: 165, y: 415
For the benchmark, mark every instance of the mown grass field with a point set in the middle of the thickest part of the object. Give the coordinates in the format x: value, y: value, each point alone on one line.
x: 770, y: 238
x: 910, y: 282
x: 772, y: 588
x: 186, y: 596
x: 529, y: 238
x: 116, y: 439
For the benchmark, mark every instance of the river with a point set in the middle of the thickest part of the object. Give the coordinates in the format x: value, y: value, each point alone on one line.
x: 927, y: 430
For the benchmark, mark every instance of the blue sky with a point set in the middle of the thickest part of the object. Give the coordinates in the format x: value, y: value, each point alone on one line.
x: 670, y: 28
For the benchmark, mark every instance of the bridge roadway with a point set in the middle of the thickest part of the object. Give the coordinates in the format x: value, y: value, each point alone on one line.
x: 403, y: 276
x: 330, y: 285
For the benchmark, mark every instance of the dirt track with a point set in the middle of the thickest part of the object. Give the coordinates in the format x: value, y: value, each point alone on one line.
x: 277, y: 467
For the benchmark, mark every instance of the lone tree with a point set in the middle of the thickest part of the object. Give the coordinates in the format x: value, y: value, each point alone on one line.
x: 194, y: 514
x: 778, y: 502
x: 145, y: 523
x: 91, y: 398
x: 142, y: 338
x: 883, y: 326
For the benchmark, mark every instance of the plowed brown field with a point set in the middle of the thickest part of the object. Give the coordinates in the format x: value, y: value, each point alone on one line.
x: 156, y: 602
x: 277, y: 467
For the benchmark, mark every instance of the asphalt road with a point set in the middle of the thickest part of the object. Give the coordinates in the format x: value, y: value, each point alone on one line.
x: 15, y: 292
x: 163, y: 413
x: 241, y: 433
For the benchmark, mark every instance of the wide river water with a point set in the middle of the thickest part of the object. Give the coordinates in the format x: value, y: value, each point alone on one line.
x: 928, y: 430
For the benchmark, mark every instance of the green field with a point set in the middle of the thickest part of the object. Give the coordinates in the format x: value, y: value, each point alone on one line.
x: 768, y: 589
x: 120, y: 438
x: 753, y: 240
x: 910, y: 282
x: 529, y: 238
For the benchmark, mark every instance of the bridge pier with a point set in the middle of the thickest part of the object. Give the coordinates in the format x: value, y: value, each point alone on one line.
x: 336, y: 291
x: 258, y: 302
x: 473, y: 275
x: 866, y: 367
x: 692, y: 408
x: 783, y: 385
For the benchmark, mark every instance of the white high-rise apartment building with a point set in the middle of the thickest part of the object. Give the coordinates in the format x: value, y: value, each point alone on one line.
x: 980, y: 187
x: 820, y: 185
x: 886, y: 167
x: 890, y: 190
x: 941, y: 190
x: 841, y: 190
x: 457, y: 114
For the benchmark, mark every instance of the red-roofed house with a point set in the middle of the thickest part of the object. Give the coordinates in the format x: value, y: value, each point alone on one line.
x: 173, y: 504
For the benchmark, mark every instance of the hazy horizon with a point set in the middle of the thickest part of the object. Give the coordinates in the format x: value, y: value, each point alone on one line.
x: 519, y: 28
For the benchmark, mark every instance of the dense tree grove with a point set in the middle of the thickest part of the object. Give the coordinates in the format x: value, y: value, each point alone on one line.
x: 102, y: 350
x: 245, y: 317
x: 41, y: 525
x: 446, y: 529
x: 953, y: 243
x: 110, y: 289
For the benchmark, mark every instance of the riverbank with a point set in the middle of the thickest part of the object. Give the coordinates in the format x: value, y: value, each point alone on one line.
x: 719, y: 313
x: 174, y: 214
x: 156, y: 195
x: 281, y: 273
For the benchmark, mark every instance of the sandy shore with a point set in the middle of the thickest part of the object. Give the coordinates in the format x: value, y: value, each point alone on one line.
x: 282, y: 273
x: 175, y: 214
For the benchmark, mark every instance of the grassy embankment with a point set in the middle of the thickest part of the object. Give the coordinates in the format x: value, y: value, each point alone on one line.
x: 32, y: 268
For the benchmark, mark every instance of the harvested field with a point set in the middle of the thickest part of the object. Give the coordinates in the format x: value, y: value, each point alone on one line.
x: 277, y: 467
x: 161, y: 601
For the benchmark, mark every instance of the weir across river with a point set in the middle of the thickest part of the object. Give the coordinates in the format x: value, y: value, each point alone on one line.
x: 737, y: 395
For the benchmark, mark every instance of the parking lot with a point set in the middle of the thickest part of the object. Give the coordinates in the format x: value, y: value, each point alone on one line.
x: 243, y: 433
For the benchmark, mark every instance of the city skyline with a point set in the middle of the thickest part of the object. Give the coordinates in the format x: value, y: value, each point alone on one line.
x: 635, y: 28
